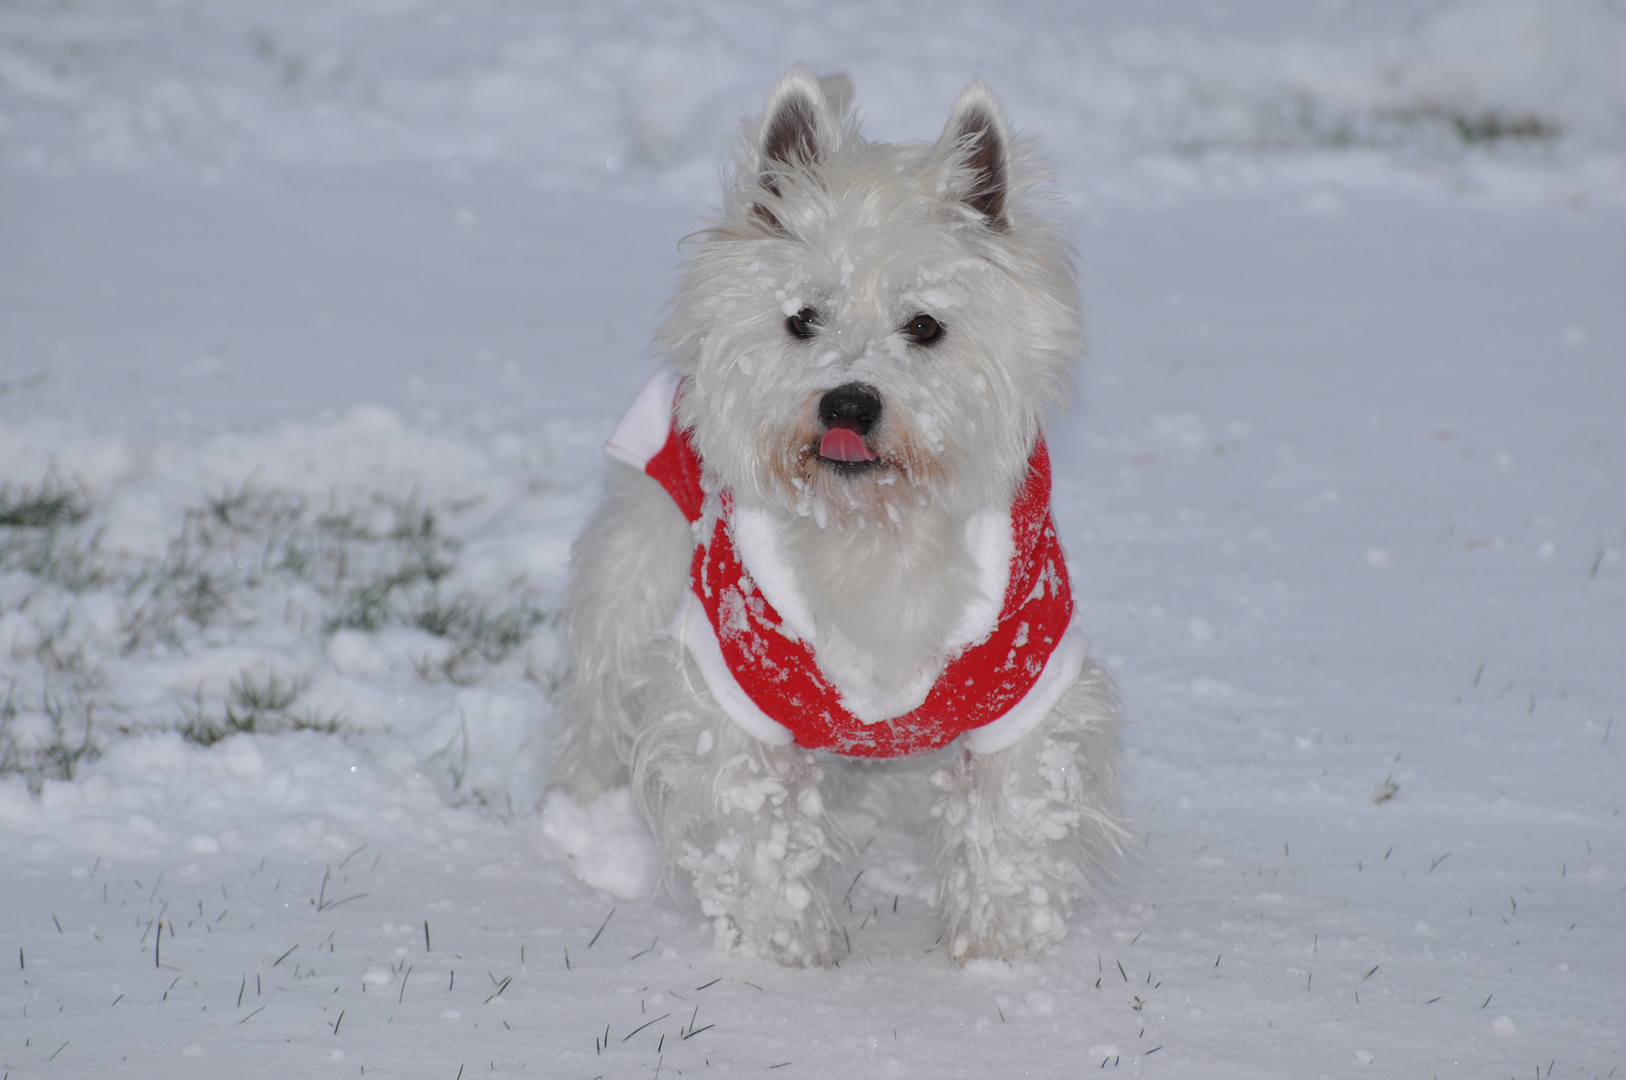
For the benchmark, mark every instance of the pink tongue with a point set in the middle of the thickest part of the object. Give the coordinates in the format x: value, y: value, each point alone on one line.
x: 844, y: 444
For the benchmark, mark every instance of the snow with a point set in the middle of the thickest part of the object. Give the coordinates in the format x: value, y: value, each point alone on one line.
x: 314, y: 319
x: 605, y: 842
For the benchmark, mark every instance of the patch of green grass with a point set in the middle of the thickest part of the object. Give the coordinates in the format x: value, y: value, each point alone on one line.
x: 1485, y: 128
x: 48, y: 506
x: 237, y: 559
x: 475, y: 631
x: 254, y: 707
x: 373, y: 565
x: 363, y: 561
x: 53, y: 754
x: 40, y: 535
x: 1300, y: 120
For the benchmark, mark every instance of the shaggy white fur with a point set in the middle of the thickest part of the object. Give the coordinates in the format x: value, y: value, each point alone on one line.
x: 931, y: 284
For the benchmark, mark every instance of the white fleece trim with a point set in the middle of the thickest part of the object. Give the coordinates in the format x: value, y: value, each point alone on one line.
x: 991, y: 539
x: 693, y: 631
x: 761, y: 551
x: 644, y: 428
x: 1059, y: 674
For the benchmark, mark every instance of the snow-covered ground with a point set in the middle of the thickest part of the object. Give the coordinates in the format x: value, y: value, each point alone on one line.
x: 314, y: 316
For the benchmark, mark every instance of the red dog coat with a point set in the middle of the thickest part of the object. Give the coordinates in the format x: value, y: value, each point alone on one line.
x: 993, y: 688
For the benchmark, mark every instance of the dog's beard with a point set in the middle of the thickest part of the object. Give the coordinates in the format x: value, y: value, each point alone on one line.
x: 901, y: 479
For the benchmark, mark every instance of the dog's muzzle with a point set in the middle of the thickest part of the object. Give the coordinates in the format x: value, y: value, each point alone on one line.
x: 848, y: 413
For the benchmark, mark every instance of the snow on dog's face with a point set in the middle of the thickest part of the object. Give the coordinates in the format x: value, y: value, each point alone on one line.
x: 871, y: 327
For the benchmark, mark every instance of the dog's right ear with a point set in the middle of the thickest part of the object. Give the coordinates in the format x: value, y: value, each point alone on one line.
x: 800, y: 128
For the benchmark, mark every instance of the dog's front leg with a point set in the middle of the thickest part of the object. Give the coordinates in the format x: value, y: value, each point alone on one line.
x: 753, y: 868
x: 746, y: 822
x: 1021, y: 829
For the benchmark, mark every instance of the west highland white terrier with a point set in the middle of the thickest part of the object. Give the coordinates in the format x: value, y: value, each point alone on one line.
x: 827, y: 541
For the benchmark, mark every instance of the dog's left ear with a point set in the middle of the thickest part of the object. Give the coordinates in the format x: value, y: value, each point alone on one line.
x: 976, y: 146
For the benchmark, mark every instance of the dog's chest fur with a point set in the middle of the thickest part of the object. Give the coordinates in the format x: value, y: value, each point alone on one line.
x: 881, y: 600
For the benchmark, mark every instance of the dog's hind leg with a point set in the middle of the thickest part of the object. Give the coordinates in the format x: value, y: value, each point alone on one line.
x: 1021, y: 829
x: 745, y: 820
x: 628, y: 571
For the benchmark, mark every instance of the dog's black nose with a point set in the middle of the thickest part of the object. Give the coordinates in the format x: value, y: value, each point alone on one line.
x: 853, y: 406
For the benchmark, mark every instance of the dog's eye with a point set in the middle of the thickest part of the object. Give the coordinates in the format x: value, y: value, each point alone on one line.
x: 923, y: 328
x: 802, y: 323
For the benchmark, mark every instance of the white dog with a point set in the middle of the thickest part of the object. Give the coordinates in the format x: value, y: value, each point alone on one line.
x: 828, y: 540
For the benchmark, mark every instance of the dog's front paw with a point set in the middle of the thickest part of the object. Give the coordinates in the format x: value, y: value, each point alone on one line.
x: 799, y: 944
x: 755, y: 880
x: 1003, y: 919
x: 1011, y: 870
x: 754, y: 909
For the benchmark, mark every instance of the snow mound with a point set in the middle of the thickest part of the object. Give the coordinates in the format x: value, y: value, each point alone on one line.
x: 605, y: 843
x: 354, y: 577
